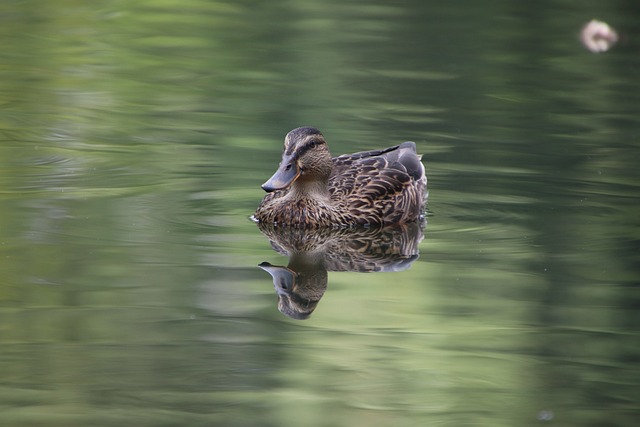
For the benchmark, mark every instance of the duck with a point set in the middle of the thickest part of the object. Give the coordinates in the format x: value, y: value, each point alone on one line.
x: 369, y: 188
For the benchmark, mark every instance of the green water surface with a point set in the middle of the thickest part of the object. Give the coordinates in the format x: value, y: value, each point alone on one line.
x: 134, y: 137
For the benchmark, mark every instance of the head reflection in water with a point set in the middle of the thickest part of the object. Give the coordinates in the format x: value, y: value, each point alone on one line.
x: 312, y: 252
x: 298, y: 292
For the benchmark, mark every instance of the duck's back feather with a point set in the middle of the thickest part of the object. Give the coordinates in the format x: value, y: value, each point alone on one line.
x: 380, y: 186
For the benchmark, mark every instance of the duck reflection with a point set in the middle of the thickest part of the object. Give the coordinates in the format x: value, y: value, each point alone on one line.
x: 302, y: 283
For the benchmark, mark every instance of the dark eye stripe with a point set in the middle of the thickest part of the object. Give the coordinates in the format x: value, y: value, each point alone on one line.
x: 311, y: 143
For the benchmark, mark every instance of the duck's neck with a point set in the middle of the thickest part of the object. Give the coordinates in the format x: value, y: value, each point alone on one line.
x: 309, y: 190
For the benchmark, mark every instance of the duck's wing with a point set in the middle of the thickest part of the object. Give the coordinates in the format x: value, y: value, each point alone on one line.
x: 391, y: 168
x: 405, y: 154
x: 382, y: 185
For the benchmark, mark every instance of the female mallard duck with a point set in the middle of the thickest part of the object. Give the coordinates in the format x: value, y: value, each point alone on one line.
x: 311, y: 189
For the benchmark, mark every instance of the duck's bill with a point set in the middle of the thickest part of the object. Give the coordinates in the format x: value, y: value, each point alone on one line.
x: 284, y: 176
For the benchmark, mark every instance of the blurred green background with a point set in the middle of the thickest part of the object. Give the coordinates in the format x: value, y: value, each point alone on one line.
x: 134, y: 137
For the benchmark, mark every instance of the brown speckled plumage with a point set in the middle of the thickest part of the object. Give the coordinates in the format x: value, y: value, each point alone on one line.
x: 312, y: 189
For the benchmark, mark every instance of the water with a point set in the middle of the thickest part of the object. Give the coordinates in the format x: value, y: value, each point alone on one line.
x: 135, y: 137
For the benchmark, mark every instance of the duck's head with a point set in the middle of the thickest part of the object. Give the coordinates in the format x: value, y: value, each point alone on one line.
x: 305, y: 158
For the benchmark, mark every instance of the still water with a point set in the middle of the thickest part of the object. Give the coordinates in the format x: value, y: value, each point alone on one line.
x: 135, y: 137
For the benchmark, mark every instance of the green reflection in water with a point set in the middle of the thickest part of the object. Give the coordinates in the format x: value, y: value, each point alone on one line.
x: 135, y: 137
